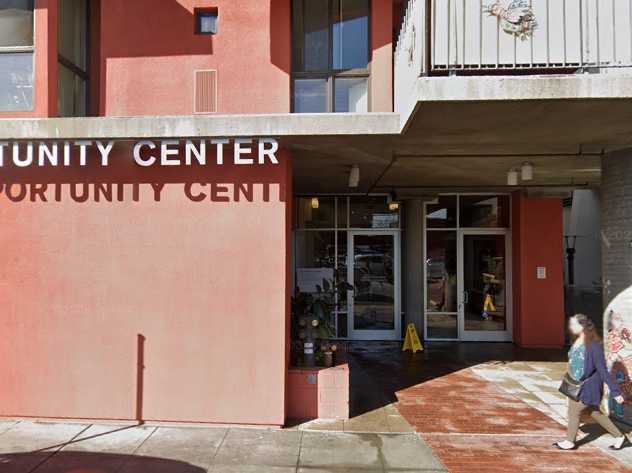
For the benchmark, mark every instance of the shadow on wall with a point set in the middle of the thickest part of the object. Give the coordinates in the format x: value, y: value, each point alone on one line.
x: 69, y: 461
x: 171, y: 22
x: 280, y: 34
x: 140, y: 377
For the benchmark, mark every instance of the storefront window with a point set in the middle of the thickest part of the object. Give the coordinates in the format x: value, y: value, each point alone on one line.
x: 315, y: 250
x: 441, y: 270
x: 16, y: 55
x: 341, y: 268
x: 441, y: 285
x: 372, y: 212
x: 442, y: 214
x: 316, y: 212
x: 341, y: 277
x: 343, y: 212
x: 323, y: 227
x: 484, y: 211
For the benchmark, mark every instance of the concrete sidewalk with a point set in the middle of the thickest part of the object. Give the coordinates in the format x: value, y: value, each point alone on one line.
x: 32, y: 447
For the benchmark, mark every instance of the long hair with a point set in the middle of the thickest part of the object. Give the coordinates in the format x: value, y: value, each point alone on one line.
x: 590, y: 331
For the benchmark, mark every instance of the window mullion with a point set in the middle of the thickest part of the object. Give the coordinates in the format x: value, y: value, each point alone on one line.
x: 332, y: 22
x: 332, y: 92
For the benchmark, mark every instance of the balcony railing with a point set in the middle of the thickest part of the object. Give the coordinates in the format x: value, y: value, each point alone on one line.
x: 456, y: 36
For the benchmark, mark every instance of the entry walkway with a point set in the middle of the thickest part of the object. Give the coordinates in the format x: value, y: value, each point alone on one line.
x: 481, y: 407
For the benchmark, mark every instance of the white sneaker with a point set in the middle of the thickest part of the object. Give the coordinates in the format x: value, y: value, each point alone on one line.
x: 565, y: 445
x: 619, y: 442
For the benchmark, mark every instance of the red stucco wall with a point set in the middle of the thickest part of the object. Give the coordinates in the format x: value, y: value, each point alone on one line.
x: 537, y: 241
x: 203, y: 285
x: 149, y: 53
x: 143, y: 57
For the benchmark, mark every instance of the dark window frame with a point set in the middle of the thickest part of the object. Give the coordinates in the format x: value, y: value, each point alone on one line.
x: 202, y: 12
x: 330, y: 73
x: 74, y: 68
x: 24, y: 49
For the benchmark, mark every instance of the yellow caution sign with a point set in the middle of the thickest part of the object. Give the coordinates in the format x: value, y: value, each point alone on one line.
x: 412, y: 341
x: 489, y: 304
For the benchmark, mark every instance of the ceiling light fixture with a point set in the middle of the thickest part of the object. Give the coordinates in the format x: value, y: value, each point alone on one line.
x: 527, y: 171
x: 512, y: 177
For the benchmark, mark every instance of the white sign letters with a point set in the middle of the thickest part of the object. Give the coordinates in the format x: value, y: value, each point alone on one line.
x: 145, y: 153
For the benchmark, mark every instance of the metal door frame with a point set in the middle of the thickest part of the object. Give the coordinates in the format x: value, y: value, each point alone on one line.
x: 394, y: 334
x: 484, y: 335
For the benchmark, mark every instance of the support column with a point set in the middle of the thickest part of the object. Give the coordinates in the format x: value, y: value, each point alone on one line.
x: 538, y: 302
x: 616, y: 232
x: 414, y: 264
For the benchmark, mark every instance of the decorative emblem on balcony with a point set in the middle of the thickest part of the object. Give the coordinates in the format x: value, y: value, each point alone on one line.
x: 516, y: 17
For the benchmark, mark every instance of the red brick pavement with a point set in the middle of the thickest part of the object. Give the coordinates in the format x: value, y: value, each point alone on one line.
x: 490, y: 454
x: 493, y: 431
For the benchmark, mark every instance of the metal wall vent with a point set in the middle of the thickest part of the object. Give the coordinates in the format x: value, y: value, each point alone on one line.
x: 205, y: 91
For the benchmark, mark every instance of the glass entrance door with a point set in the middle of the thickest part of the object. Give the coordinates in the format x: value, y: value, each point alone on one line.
x: 373, y: 271
x: 467, y: 268
x: 483, y: 286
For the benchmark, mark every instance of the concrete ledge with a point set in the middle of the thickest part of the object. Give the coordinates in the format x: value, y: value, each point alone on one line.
x: 516, y: 88
x: 191, y: 126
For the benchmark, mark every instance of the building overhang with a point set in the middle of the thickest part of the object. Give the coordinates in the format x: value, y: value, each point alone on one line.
x: 512, y: 114
x: 460, y: 132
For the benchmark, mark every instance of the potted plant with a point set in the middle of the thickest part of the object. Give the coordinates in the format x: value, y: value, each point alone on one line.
x: 313, y: 325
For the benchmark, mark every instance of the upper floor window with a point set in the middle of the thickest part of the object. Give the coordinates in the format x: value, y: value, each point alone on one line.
x: 16, y: 55
x: 330, y: 55
x: 73, y: 61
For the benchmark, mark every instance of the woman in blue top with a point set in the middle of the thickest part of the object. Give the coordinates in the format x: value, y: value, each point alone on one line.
x: 587, y: 364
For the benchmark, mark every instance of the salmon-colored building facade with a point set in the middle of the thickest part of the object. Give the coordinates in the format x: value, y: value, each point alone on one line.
x: 157, y: 286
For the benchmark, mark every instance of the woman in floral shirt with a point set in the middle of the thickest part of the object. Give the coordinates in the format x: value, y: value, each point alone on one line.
x: 587, y: 364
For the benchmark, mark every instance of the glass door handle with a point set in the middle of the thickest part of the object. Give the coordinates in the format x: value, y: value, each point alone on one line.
x: 466, y: 297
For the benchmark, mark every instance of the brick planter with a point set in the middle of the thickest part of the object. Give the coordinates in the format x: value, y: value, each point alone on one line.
x: 318, y: 393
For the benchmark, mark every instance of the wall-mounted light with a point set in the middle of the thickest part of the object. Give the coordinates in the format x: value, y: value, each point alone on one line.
x: 393, y: 205
x: 512, y: 177
x: 354, y: 176
x: 526, y: 171
x: 315, y: 203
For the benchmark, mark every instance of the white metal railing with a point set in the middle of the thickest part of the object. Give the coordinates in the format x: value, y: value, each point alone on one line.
x: 465, y: 35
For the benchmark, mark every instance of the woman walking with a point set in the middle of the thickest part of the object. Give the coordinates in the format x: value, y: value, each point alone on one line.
x: 587, y: 367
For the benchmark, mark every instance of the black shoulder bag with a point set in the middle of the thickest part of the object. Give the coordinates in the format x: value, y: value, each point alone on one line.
x: 570, y: 387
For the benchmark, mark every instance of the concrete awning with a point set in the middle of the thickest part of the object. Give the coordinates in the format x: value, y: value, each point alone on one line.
x: 468, y: 132
x: 464, y: 132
